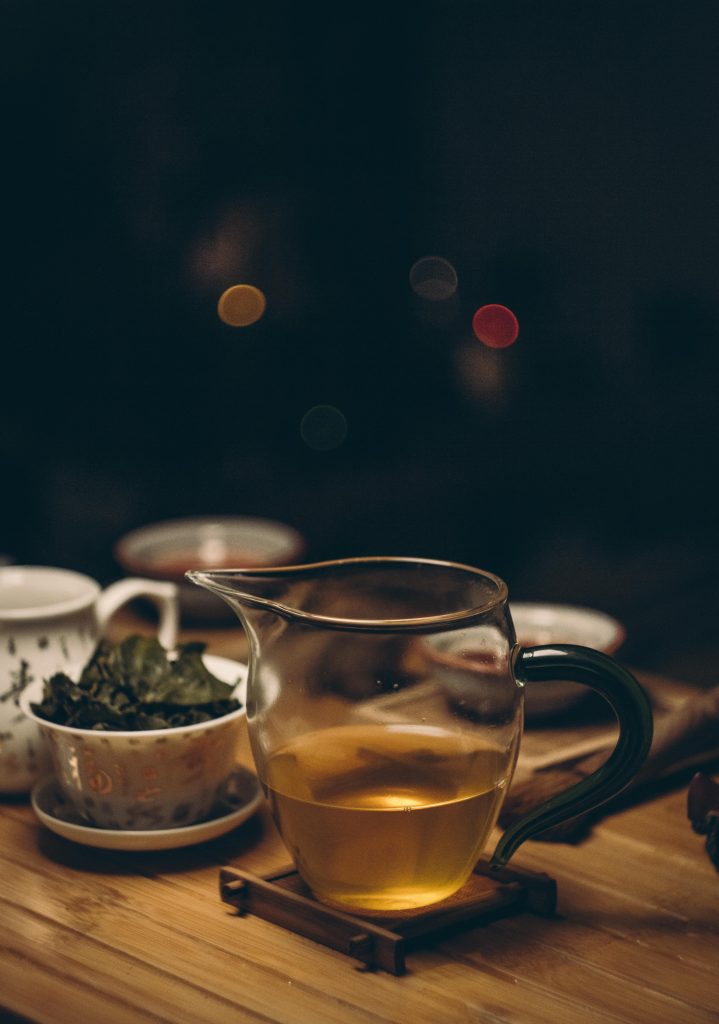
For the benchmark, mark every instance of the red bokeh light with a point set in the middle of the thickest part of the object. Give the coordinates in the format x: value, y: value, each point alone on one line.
x: 495, y: 326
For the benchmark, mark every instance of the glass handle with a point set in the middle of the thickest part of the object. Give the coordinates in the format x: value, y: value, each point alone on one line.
x: 634, y: 714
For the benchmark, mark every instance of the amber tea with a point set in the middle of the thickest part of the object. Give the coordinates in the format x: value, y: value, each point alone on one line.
x: 386, y: 817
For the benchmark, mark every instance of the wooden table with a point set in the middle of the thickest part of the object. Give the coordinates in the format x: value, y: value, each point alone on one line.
x: 92, y: 935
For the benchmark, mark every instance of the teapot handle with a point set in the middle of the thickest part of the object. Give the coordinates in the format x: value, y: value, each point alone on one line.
x: 634, y: 714
x: 164, y: 596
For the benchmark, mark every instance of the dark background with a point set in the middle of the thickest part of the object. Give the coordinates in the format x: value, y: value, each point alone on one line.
x: 563, y: 157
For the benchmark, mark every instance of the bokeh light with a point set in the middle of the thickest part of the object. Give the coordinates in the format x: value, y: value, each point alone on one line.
x: 433, y: 278
x: 495, y: 326
x: 241, y: 305
x: 323, y: 427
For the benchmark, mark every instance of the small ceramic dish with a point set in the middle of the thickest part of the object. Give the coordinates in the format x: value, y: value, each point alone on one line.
x: 149, y: 779
x: 239, y: 800
x: 537, y: 624
x: 166, y: 550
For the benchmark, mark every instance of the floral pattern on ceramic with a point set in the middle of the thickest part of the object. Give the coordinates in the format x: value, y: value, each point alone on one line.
x: 149, y: 779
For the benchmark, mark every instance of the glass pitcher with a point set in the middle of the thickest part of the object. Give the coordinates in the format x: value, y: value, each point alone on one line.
x: 384, y: 708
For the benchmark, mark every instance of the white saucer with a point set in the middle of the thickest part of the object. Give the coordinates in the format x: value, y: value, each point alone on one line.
x: 539, y: 623
x: 242, y: 798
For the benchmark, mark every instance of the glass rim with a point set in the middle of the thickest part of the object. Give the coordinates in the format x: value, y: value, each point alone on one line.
x: 446, y: 620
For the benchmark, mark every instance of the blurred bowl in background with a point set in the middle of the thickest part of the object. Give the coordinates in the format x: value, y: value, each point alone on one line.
x: 166, y: 550
x: 537, y: 624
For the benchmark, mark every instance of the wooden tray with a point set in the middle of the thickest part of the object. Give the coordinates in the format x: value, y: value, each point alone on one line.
x: 382, y: 942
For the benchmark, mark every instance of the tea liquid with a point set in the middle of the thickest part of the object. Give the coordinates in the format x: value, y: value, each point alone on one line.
x: 386, y: 817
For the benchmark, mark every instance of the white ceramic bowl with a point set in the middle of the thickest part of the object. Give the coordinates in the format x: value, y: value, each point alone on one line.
x: 537, y: 624
x: 148, y: 779
x: 166, y: 550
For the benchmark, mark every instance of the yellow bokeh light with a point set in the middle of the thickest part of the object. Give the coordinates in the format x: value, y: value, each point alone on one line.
x: 241, y: 305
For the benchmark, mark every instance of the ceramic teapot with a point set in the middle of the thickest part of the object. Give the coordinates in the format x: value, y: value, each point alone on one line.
x: 50, y: 621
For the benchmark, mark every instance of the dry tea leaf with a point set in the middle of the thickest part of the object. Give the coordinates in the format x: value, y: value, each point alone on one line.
x: 134, y: 686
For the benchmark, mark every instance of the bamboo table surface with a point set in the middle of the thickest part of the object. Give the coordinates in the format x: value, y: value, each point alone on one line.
x: 95, y: 935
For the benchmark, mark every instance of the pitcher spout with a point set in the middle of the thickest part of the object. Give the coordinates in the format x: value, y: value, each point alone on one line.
x: 244, y: 588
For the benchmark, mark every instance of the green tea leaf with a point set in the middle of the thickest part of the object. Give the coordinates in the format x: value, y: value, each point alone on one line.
x: 134, y: 685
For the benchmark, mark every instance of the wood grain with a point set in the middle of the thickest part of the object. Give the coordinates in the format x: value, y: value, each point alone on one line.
x: 144, y: 937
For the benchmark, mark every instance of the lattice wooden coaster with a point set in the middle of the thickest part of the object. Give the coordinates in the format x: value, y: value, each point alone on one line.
x: 383, y: 942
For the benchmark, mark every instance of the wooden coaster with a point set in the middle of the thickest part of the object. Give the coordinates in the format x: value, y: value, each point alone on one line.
x: 383, y: 942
